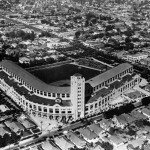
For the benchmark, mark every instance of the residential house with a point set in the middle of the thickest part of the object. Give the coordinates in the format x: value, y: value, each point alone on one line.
x: 130, y: 119
x: 3, y: 130
x: 24, y: 60
x: 79, y: 142
x: 122, y: 147
x: 26, y: 123
x: 3, y: 108
x: 147, y: 129
x: 14, y: 126
x: 63, y: 143
x: 48, y: 146
x: 106, y: 124
x: 135, y: 95
x: 138, y: 115
x: 146, y: 112
x: 140, y: 133
x: 147, y: 147
x: 134, y: 58
x: 97, y: 129
x: 145, y: 61
x: 116, y: 141
x: 147, y: 87
x: 137, y: 143
x: 120, y: 121
x: 89, y: 135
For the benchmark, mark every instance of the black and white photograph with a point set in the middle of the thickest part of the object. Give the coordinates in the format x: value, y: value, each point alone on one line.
x: 74, y: 74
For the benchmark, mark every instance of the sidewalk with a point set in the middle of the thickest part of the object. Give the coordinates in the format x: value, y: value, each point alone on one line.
x: 45, y: 124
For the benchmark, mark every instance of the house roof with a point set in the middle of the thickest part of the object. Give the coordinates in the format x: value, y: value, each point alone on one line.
x: 13, y: 126
x: 137, y: 115
x: 106, y: 123
x: 146, y: 111
x: 121, y: 119
x: 31, y: 79
x: 75, y: 139
x: 129, y: 118
x: 47, y: 146
x: 134, y: 94
x: 26, y: 123
x: 115, y: 139
x: 108, y: 74
x: 96, y: 128
x: 146, y: 128
x: 137, y: 142
x: 137, y: 54
x: 88, y: 133
x: 63, y: 143
x: 3, y: 129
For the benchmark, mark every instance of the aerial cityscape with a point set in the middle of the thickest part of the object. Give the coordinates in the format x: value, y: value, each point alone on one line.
x: 74, y: 74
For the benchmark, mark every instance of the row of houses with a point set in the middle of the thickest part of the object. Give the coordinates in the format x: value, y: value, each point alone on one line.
x: 99, y: 132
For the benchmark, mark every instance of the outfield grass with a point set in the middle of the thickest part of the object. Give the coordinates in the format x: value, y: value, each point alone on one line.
x: 63, y: 72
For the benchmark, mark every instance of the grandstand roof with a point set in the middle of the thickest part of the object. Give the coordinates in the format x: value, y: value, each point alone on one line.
x: 35, y: 99
x: 108, y: 74
x: 42, y: 86
x: 31, y: 79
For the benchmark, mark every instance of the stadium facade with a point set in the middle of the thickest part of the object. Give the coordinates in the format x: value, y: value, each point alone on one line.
x: 81, y: 98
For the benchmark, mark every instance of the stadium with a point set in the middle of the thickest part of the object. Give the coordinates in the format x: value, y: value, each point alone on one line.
x: 68, y: 90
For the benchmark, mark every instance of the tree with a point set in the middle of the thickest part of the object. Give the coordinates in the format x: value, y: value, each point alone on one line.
x: 111, y: 130
x: 139, y: 123
x: 32, y: 36
x: 26, y: 17
x: 14, y: 138
x: 7, y: 139
x: 2, y: 141
x: 146, y: 101
x: 77, y: 34
x: 107, y: 146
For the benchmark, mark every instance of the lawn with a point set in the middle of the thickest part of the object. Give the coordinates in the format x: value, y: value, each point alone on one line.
x: 63, y: 72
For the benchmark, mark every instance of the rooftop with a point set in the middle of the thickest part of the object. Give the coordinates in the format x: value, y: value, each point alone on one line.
x: 31, y: 79
x: 145, y: 111
x: 14, y: 126
x: 88, y: 133
x: 96, y: 128
x: 115, y: 85
x: 137, y: 115
x: 75, y: 139
x: 47, y: 146
x: 137, y: 142
x: 108, y: 74
x: 36, y: 99
x: 3, y: 129
x: 115, y: 139
x: 63, y: 143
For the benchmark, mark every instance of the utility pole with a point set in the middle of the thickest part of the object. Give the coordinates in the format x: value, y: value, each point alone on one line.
x: 41, y: 124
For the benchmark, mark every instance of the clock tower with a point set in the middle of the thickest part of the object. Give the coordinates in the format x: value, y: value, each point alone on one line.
x: 78, y: 95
